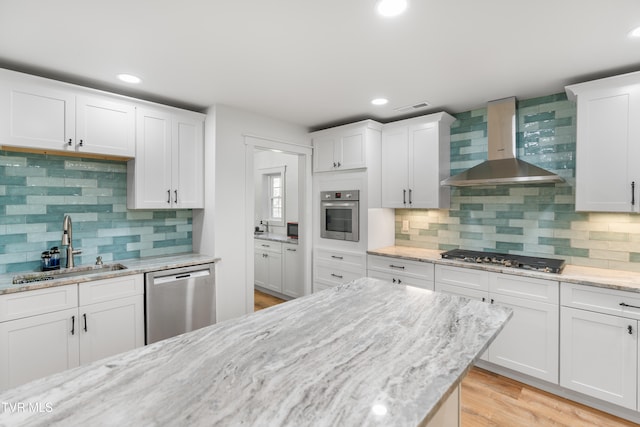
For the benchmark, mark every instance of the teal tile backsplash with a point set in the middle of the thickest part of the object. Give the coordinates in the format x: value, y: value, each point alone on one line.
x: 538, y: 220
x: 37, y: 190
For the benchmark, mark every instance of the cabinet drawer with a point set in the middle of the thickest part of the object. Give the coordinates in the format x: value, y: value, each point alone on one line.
x: 460, y: 291
x: 267, y: 246
x: 341, y: 257
x: 601, y: 300
x: 460, y: 276
x: 333, y: 275
x: 407, y: 268
x: 524, y: 287
x: 41, y: 301
x: 110, y: 289
x: 401, y: 279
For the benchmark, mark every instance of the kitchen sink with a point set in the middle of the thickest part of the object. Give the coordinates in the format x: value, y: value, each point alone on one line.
x: 66, y: 272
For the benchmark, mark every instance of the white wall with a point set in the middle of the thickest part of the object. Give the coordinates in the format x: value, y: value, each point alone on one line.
x: 264, y: 159
x: 219, y: 229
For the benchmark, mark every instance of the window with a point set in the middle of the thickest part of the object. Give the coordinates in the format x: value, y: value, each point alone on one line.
x: 273, y: 195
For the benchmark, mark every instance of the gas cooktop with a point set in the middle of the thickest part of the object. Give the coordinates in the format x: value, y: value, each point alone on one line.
x: 547, y: 265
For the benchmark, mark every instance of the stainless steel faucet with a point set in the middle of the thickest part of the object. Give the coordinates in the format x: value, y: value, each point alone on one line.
x: 67, y: 236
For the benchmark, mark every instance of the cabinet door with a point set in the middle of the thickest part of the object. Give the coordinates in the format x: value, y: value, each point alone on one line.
x: 260, y: 269
x: 111, y: 327
x: 274, y: 267
x: 188, y: 167
x: 37, y: 116
x: 153, y: 160
x: 529, y: 341
x: 37, y: 346
x: 395, y: 176
x: 292, y: 277
x: 104, y: 126
x: 598, y: 356
x: 608, y: 152
x: 350, y: 153
x: 424, y: 167
x: 323, y: 159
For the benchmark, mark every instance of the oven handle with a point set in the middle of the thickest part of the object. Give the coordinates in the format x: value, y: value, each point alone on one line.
x: 341, y: 205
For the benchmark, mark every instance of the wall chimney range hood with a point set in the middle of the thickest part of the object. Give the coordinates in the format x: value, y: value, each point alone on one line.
x: 502, y: 166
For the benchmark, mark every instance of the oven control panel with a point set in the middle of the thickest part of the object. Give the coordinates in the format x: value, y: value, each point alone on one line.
x: 340, y: 195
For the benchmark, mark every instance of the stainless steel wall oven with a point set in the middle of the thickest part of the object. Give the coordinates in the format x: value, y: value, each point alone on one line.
x: 339, y: 215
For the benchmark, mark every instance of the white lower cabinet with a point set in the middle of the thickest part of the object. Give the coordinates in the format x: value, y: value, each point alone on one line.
x: 528, y: 343
x: 278, y: 267
x: 599, y: 343
x: 49, y: 330
x: 292, y: 277
x: 335, y: 267
x: 405, y: 272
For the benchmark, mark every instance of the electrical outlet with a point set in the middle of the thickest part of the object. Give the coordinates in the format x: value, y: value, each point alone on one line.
x: 405, y: 225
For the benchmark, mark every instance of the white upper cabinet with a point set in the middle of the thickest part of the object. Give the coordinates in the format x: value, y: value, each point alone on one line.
x: 345, y: 147
x: 608, y: 143
x: 37, y: 113
x: 168, y: 171
x: 415, y: 158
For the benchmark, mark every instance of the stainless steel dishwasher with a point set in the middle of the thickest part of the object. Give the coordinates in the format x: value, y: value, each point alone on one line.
x: 178, y: 301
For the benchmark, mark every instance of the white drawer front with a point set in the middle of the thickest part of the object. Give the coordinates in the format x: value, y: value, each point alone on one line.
x: 30, y: 303
x: 399, y: 266
x: 460, y: 276
x: 525, y: 287
x: 601, y: 300
x: 342, y: 257
x: 460, y: 291
x: 268, y: 246
x: 401, y: 279
x: 333, y: 275
x: 110, y: 289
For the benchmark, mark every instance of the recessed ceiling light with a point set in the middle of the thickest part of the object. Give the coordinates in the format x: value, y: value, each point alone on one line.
x: 635, y: 33
x: 391, y: 8
x: 128, y: 78
x: 379, y: 101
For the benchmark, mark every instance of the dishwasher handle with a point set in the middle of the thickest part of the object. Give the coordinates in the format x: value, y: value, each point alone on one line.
x: 192, y: 274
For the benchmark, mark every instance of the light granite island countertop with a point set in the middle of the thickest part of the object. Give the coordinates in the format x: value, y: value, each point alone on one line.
x: 364, y: 353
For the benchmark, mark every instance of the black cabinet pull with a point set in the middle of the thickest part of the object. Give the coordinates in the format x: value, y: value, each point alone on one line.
x: 399, y: 281
x: 73, y: 325
x: 491, y: 300
x: 336, y: 257
x: 410, y: 198
x: 266, y: 246
x: 401, y: 267
x: 176, y: 191
x: 393, y: 280
x: 169, y: 196
x: 628, y: 305
x: 81, y: 143
x: 335, y: 164
x: 339, y: 164
x: 291, y: 250
x: 404, y: 196
x: 85, y: 321
x: 70, y: 143
x: 336, y: 275
x: 630, y: 329
x: 484, y: 299
x: 633, y: 193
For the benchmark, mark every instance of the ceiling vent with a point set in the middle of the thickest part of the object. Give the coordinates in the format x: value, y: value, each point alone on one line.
x: 410, y: 108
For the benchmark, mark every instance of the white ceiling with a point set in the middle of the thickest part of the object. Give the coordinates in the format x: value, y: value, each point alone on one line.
x: 320, y: 62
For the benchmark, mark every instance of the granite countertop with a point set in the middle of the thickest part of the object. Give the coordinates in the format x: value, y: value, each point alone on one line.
x: 134, y: 266
x: 600, y: 277
x: 275, y: 238
x: 322, y: 360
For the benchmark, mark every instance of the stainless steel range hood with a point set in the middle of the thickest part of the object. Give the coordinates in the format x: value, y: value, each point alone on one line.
x: 502, y: 166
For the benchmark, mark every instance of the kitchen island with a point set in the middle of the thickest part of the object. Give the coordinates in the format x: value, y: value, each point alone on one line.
x: 364, y: 353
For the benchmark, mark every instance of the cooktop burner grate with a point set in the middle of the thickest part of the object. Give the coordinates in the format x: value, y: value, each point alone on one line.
x: 547, y: 265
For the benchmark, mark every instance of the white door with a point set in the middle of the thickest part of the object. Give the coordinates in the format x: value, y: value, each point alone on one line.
x: 528, y: 343
x: 323, y: 158
x: 395, y: 176
x: 424, y: 166
x: 292, y: 278
x: 352, y: 151
x: 608, y: 155
x: 153, y: 160
x: 111, y: 327
x: 37, y: 346
x: 598, y: 356
x: 104, y: 126
x: 188, y: 156
x: 36, y: 116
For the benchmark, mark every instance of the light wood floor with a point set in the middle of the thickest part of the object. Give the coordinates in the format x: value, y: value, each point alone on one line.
x: 489, y: 399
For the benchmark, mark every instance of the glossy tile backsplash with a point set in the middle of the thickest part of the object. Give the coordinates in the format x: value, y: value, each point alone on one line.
x: 37, y: 190
x: 538, y: 220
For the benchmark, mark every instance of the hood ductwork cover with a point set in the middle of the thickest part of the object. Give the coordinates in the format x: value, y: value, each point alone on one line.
x: 502, y: 166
